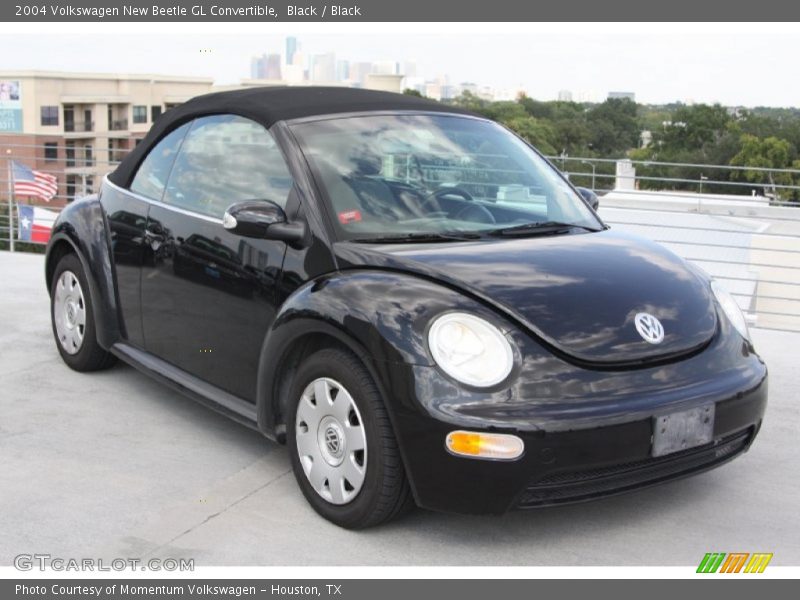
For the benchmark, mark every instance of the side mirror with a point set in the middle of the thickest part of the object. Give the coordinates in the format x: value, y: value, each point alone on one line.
x: 590, y: 197
x: 265, y: 220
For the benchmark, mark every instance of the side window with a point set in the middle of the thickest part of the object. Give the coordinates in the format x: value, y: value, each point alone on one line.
x: 226, y: 159
x: 151, y: 178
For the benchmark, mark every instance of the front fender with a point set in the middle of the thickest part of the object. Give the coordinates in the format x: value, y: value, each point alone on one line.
x: 81, y: 228
x: 382, y: 316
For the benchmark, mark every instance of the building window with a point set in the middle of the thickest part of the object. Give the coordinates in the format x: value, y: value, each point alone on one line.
x: 140, y: 114
x: 49, y: 115
x: 155, y: 112
x: 70, y: 188
x: 51, y: 151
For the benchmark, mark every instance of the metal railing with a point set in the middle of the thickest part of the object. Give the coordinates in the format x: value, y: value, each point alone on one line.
x: 118, y: 125
x: 781, y: 186
x: 750, y: 243
x: 78, y: 126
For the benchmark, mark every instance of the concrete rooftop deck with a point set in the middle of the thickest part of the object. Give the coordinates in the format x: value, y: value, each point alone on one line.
x: 113, y: 464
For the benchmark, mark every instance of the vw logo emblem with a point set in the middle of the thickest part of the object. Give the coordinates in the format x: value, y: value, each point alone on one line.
x: 650, y: 328
x: 332, y: 441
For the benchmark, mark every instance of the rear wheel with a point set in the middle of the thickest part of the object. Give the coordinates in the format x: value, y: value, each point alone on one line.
x: 344, y: 453
x: 71, y: 312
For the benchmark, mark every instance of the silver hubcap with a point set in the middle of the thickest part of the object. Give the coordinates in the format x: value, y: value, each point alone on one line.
x: 331, y: 441
x: 69, y: 312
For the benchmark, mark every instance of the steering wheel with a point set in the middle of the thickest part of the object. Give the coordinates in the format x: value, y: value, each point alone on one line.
x: 427, y: 201
x: 472, y: 212
x: 475, y: 212
x: 449, y: 191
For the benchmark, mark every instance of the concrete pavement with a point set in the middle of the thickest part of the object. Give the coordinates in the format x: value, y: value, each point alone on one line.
x: 113, y: 464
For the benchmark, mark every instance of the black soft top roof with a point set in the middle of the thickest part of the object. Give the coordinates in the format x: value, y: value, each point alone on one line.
x: 268, y: 105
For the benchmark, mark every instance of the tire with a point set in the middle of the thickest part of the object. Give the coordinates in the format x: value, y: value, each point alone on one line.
x: 383, y: 492
x: 72, y: 318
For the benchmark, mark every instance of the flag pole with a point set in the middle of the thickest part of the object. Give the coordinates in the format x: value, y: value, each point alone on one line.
x: 10, y: 206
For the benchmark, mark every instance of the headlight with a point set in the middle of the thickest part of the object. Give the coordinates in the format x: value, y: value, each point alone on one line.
x: 731, y: 309
x: 470, y: 349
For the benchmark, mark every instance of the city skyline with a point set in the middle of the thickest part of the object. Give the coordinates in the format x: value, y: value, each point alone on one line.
x: 658, y: 69
x: 294, y: 66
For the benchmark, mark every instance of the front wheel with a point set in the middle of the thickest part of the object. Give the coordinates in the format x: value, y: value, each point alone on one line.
x: 344, y: 453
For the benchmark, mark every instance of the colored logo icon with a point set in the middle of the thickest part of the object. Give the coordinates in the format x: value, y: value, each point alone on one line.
x: 734, y: 562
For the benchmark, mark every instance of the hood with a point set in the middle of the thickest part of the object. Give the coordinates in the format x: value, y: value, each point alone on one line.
x: 578, y: 292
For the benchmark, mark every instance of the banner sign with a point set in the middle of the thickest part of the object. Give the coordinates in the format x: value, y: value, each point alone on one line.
x: 10, y: 106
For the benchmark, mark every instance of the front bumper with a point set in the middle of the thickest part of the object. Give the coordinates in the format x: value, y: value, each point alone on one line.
x: 566, y: 466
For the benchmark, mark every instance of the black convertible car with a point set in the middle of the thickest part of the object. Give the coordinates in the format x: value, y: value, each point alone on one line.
x: 410, y: 297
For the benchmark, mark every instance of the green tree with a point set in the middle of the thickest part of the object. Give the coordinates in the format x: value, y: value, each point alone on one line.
x: 693, y: 127
x: 536, y: 132
x: 470, y: 101
x: 613, y: 127
x: 767, y: 153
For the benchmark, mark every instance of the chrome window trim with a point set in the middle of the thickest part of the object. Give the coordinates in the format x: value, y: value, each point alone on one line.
x: 381, y: 113
x: 177, y: 209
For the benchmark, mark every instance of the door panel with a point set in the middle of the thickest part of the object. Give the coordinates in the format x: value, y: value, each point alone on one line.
x: 210, y: 296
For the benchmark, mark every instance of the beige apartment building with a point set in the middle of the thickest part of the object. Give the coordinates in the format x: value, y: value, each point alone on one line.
x: 78, y: 126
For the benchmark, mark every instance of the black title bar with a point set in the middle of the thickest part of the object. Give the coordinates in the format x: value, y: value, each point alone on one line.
x: 464, y: 589
x: 398, y: 11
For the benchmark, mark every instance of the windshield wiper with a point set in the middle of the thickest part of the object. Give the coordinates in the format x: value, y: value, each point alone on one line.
x: 419, y: 238
x: 540, y: 228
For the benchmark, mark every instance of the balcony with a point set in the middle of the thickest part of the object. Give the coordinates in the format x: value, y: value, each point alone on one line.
x: 78, y: 126
x: 80, y: 163
x: 118, y: 125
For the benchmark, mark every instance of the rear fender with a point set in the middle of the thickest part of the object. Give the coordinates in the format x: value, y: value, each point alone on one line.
x: 81, y: 228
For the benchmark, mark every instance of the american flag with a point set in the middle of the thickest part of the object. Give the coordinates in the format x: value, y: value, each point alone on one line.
x: 28, y: 182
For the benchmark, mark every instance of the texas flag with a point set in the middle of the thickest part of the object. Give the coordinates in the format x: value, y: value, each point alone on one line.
x: 35, y: 224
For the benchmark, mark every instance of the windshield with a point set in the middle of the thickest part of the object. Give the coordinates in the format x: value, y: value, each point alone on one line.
x: 401, y: 176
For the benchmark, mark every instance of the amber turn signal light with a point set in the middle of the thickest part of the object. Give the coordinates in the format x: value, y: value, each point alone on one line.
x: 494, y: 446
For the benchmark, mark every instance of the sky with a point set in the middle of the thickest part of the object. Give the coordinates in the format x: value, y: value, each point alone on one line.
x: 737, y: 67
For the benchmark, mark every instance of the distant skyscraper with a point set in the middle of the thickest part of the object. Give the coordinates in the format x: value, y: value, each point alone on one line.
x: 622, y: 96
x: 342, y: 70
x: 386, y: 67
x: 257, y: 67
x: 266, y: 66
x: 322, y: 67
x: 565, y: 96
x: 272, y: 69
x: 446, y: 92
x: 359, y: 72
x: 433, y: 90
x: 291, y: 48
